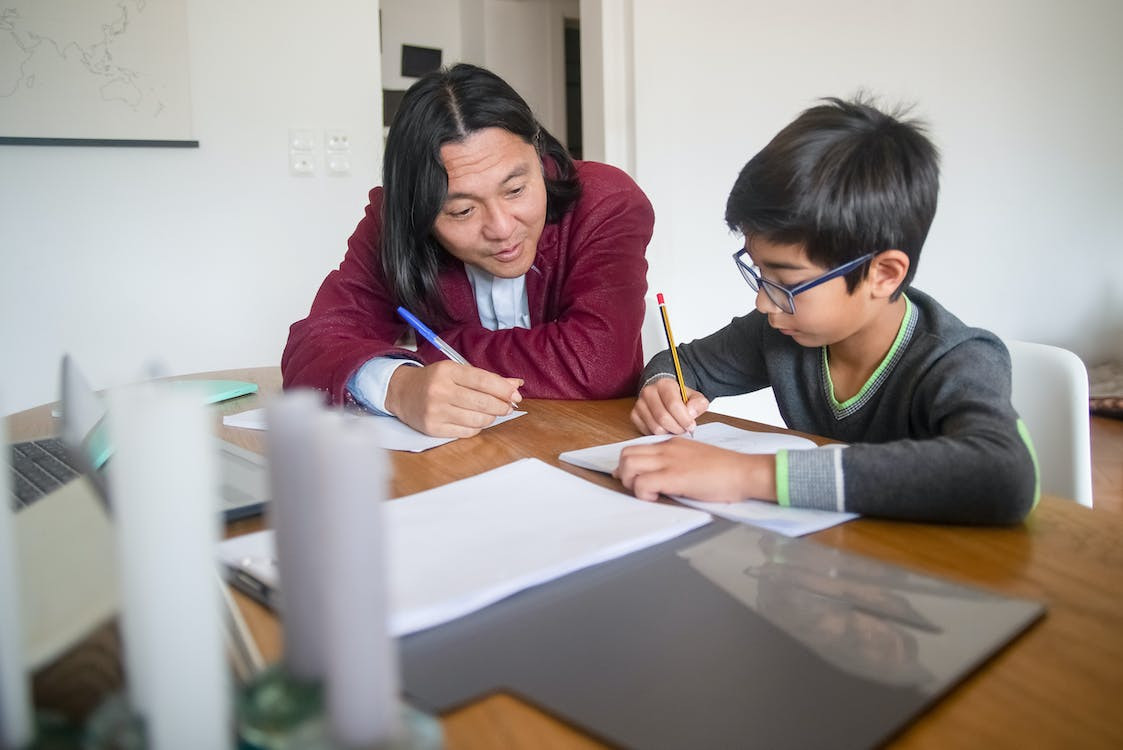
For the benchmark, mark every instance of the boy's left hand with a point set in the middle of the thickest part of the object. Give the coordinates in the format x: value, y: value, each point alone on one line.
x: 685, y: 467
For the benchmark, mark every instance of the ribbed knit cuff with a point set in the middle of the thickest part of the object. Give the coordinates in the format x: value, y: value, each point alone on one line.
x: 782, y: 497
x: 657, y: 376
x: 814, y: 478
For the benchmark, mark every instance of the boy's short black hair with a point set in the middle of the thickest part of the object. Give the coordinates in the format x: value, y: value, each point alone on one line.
x: 843, y: 179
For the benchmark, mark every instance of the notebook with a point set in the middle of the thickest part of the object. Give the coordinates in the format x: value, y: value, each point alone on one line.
x: 83, y: 447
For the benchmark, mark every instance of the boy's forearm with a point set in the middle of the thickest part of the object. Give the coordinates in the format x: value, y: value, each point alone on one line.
x: 758, y: 477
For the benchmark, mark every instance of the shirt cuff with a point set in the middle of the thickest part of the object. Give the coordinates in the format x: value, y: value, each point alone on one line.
x: 369, y: 383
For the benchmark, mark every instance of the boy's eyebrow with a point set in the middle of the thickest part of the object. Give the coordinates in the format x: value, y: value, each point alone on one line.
x: 519, y: 171
x: 777, y: 265
x: 782, y: 266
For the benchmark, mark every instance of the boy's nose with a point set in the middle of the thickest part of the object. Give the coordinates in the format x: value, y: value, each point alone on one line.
x: 765, y: 304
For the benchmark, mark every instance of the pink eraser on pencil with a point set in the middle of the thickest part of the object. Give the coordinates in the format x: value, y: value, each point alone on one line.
x: 659, y: 298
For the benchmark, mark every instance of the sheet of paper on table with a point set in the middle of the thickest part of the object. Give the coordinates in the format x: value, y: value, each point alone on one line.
x: 787, y: 521
x: 394, y: 434
x: 456, y: 548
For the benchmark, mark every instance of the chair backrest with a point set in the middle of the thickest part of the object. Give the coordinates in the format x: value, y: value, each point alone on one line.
x: 1050, y: 393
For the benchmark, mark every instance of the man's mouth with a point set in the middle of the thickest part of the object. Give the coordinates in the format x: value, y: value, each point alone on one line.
x: 509, y: 253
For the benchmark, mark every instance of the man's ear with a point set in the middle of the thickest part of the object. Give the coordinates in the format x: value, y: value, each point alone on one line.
x: 887, y: 270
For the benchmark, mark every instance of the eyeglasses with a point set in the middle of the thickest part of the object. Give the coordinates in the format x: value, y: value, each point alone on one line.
x: 784, y: 297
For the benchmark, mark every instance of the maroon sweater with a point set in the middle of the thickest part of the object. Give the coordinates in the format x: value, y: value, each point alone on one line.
x: 585, y: 292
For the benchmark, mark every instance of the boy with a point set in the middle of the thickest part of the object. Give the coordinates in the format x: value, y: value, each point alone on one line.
x: 834, y: 212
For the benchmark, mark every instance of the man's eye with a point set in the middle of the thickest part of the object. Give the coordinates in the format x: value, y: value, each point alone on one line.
x: 515, y: 192
x: 461, y: 214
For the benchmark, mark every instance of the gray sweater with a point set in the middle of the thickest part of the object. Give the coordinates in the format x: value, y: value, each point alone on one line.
x: 931, y: 437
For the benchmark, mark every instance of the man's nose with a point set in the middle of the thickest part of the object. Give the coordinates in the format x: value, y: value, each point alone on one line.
x: 500, y: 223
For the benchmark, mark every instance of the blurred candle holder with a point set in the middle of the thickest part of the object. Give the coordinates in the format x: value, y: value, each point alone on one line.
x: 279, y: 712
x: 114, y: 725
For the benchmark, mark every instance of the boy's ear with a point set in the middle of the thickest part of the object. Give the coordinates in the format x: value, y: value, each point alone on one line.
x: 887, y: 270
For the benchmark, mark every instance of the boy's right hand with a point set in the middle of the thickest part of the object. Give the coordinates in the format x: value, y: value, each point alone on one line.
x: 446, y: 399
x: 659, y: 409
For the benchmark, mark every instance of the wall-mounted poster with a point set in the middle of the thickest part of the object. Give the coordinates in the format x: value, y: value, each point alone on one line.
x: 95, y: 72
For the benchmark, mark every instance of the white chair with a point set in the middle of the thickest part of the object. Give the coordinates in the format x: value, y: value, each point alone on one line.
x: 1050, y: 393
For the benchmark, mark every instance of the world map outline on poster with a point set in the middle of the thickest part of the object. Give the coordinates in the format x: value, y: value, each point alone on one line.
x: 94, y: 70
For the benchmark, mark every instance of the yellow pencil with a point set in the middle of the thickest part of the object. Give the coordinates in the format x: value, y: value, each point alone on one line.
x: 671, y: 344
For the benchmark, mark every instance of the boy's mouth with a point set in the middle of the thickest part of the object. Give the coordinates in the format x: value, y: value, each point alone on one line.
x: 785, y: 331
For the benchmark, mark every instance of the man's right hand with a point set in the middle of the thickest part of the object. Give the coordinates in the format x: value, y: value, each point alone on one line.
x: 659, y: 409
x: 446, y: 399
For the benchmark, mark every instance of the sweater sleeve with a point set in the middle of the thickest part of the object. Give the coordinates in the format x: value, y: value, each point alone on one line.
x: 591, y: 349
x: 352, y: 319
x: 974, y: 465
x: 727, y: 362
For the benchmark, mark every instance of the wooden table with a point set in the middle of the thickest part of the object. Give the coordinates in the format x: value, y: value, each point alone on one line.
x: 1059, y: 685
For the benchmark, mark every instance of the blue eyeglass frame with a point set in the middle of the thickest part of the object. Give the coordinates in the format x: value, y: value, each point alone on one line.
x: 786, y: 294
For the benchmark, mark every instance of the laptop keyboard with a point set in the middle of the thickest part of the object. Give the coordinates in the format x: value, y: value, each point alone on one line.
x: 38, y: 467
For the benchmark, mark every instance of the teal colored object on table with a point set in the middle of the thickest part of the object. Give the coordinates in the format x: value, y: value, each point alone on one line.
x: 213, y: 391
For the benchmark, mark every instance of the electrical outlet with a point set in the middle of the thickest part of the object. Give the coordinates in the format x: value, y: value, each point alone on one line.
x: 336, y: 139
x: 302, y: 139
x: 338, y: 163
x: 302, y: 163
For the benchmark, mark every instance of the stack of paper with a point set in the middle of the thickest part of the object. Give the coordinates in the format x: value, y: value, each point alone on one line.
x: 457, y: 548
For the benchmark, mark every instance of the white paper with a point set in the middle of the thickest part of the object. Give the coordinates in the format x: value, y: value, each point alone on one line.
x: 394, y: 435
x: 787, y: 521
x: 462, y: 546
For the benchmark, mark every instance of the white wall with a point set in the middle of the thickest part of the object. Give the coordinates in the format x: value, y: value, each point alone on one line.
x: 199, y: 258
x: 421, y: 23
x: 520, y: 40
x: 525, y: 45
x: 608, y: 83
x: 1023, y: 98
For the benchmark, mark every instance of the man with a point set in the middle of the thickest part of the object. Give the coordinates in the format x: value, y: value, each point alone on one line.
x: 529, y: 264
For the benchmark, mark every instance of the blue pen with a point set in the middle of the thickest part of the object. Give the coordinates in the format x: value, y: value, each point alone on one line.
x: 435, y: 340
x: 431, y: 337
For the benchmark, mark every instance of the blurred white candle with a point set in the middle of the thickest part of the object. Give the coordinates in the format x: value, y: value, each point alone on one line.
x: 296, y: 514
x: 362, y: 660
x: 165, y: 506
x: 15, y: 700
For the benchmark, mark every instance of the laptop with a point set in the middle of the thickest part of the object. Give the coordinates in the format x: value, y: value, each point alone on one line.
x: 84, y: 447
x: 65, y: 529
